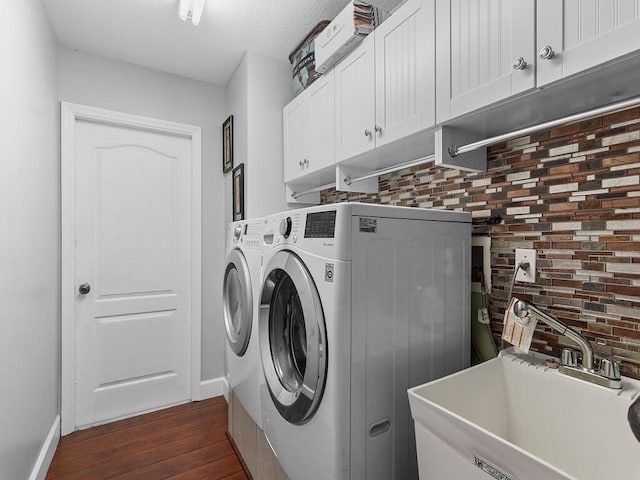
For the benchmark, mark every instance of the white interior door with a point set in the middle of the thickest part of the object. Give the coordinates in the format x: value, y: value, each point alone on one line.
x: 132, y: 256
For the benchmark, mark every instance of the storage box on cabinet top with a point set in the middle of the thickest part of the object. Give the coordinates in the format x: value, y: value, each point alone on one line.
x: 356, y: 21
x: 303, y: 60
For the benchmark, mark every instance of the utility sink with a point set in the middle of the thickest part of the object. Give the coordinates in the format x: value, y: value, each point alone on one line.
x: 514, y: 418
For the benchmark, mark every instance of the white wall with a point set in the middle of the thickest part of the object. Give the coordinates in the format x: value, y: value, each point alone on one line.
x: 256, y: 93
x: 104, y: 83
x: 236, y: 105
x: 29, y: 239
x: 269, y: 90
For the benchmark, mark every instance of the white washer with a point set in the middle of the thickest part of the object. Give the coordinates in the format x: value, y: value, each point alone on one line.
x: 358, y: 303
x: 241, y: 287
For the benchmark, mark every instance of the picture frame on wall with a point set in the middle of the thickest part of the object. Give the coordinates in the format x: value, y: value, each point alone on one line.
x: 227, y: 145
x: 238, y: 192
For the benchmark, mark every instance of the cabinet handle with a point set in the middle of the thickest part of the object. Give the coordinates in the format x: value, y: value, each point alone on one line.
x: 519, y: 63
x: 378, y: 129
x: 546, y: 53
x: 367, y: 133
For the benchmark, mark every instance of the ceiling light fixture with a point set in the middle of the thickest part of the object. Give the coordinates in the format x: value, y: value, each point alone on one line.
x: 191, y: 9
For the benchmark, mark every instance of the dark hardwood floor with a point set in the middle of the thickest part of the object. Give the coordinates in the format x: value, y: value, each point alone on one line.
x: 186, y: 442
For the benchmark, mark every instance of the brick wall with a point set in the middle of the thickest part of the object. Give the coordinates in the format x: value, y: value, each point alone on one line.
x: 571, y: 193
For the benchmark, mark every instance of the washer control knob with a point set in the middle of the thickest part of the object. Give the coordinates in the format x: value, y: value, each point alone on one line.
x: 237, y: 232
x: 285, y: 227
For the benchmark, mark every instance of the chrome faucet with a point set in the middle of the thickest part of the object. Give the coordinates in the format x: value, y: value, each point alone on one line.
x: 608, y: 375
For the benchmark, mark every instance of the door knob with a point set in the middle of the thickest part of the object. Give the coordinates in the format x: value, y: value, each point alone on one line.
x: 84, y: 288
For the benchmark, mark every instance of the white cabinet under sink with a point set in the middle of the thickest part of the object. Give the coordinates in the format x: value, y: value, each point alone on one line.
x: 577, y: 35
x: 485, y: 53
x: 385, y: 88
x: 308, y: 130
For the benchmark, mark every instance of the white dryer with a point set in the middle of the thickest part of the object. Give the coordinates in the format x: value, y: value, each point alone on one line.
x: 358, y: 303
x: 241, y: 287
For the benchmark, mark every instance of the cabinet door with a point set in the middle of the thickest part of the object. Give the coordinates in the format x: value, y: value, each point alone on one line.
x: 355, y: 101
x: 478, y: 42
x: 320, y: 134
x: 405, y: 72
x: 294, y: 118
x: 584, y: 34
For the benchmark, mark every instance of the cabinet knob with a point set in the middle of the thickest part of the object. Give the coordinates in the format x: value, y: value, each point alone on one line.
x: 519, y: 63
x: 84, y: 288
x: 546, y: 53
x: 378, y: 129
x: 304, y: 162
x: 367, y: 133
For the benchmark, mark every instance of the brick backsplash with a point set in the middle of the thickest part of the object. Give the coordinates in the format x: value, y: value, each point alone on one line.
x: 571, y: 193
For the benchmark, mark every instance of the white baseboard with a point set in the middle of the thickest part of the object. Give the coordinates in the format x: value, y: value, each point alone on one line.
x: 214, y: 388
x: 225, y: 390
x: 41, y: 466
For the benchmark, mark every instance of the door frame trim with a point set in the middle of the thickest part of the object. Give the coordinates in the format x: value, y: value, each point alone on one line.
x: 71, y: 113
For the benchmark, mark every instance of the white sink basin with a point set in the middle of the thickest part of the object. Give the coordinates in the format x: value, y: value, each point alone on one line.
x: 513, y: 416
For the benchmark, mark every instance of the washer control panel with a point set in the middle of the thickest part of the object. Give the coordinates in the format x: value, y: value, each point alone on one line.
x: 320, y: 225
x: 282, y: 228
x: 286, y: 224
x: 248, y: 234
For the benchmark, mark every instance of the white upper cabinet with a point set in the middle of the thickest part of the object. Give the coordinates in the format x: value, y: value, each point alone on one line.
x: 293, y: 118
x: 404, y: 65
x: 576, y: 35
x: 320, y: 120
x: 309, y: 130
x: 355, y: 101
x: 485, y: 53
x: 385, y: 89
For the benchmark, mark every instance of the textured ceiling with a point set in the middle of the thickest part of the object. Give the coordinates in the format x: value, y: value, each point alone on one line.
x: 149, y: 33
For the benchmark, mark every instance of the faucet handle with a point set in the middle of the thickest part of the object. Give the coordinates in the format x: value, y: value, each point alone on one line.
x: 569, y: 357
x: 609, y: 369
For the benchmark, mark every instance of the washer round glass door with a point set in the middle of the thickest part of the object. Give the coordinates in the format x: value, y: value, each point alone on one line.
x: 292, y: 338
x: 238, y: 302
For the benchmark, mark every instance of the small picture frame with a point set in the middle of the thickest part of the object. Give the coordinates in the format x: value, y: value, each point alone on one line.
x: 238, y: 192
x: 227, y: 145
